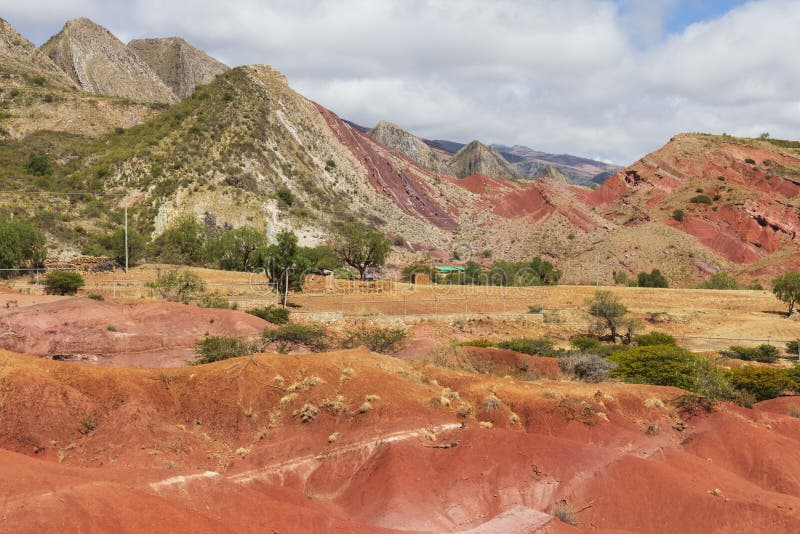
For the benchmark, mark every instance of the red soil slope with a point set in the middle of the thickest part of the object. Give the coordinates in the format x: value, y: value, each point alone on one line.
x: 222, y: 447
x: 118, y: 332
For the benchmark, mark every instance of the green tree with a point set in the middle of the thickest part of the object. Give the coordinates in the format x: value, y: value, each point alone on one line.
x: 609, y: 311
x: 240, y: 249
x: 182, y: 243
x: 545, y: 271
x: 361, y: 248
x: 113, y: 245
x: 21, y: 244
x: 787, y: 288
x: 279, y: 260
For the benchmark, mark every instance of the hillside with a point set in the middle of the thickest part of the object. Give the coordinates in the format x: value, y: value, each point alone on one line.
x: 396, y: 138
x: 98, y: 62
x: 177, y: 63
x: 581, y: 171
x: 19, y: 55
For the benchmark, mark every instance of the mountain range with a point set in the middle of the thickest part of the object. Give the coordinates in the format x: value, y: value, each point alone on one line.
x: 163, y: 126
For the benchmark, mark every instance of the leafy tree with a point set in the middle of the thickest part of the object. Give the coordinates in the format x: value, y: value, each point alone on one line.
x: 179, y: 286
x: 720, y: 280
x: 787, y: 288
x: 182, y: 243
x: 113, y: 245
x: 361, y: 248
x: 240, y: 249
x: 62, y: 283
x: 21, y: 244
x: 545, y: 271
x: 653, y: 279
x: 279, y: 259
x: 609, y: 311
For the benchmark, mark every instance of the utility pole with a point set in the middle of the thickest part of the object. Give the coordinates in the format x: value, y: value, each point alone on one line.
x: 126, y: 223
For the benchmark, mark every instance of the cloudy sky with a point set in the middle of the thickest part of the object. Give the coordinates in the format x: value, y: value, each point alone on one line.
x: 611, y: 80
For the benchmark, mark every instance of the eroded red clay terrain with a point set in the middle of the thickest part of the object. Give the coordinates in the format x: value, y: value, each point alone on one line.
x: 387, y: 444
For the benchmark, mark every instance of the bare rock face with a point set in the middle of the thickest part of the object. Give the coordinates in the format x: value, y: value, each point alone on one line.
x: 477, y: 158
x: 177, y: 63
x: 100, y: 63
x: 394, y: 137
x: 20, y: 55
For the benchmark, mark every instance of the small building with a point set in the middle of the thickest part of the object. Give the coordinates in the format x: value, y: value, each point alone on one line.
x: 450, y: 269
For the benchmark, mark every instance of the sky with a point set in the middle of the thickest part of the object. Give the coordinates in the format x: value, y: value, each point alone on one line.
x: 610, y: 80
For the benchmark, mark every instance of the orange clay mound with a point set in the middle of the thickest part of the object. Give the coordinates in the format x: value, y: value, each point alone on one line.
x: 118, y: 332
x: 386, y: 444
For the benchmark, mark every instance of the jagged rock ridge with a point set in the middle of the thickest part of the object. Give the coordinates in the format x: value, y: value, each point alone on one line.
x: 177, y: 63
x: 17, y: 54
x: 477, y: 158
x: 100, y: 63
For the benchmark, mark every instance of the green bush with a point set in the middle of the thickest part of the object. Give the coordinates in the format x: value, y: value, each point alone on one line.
x: 661, y: 365
x: 652, y: 279
x: 113, y: 246
x: 763, y: 382
x: 763, y: 353
x: 272, y: 313
x: 292, y: 335
x: 38, y: 165
x: 286, y: 195
x: 382, y: 339
x: 215, y: 301
x: 216, y: 348
x: 183, y: 243
x: 792, y: 347
x: 654, y: 338
x: 179, y: 286
x: 538, y: 347
x: 63, y: 283
x: 700, y: 199
x: 720, y: 280
x: 678, y: 215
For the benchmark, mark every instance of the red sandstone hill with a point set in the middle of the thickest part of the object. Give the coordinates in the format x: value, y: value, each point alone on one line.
x: 223, y: 447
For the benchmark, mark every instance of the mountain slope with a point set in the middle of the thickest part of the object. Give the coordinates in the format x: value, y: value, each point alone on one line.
x: 579, y: 170
x: 179, y: 65
x: 100, y: 63
x: 548, y: 171
x: 477, y: 158
x: 415, y: 148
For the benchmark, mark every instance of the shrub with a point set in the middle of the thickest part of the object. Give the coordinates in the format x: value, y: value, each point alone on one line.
x: 113, y: 245
x: 661, y: 365
x: 565, y: 512
x: 179, y: 286
x: 763, y: 382
x: 763, y: 353
x: 586, y: 367
x: 308, y: 413
x: 792, y: 347
x: 215, y: 301
x: 181, y: 243
x: 692, y: 404
x: 38, y: 165
x: 480, y: 342
x: 621, y: 277
x: 216, y: 348
x: 539, y: 347
x: 291, y: 335
x: 750, y: 161
x: 719, y: 280
x: 678, y: 215
x: 654, y: 338
x: 286, y: 195
x: 652, y: 279
x: 63, y: 283
x: 700, y: 199
x: 272, y: 313
x: 382, y: 339
x: 96, y: 296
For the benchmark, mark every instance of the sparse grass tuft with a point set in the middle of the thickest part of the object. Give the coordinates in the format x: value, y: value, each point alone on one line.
x: 308, y: 413
x: 492, y: 402
x: 565, y: 512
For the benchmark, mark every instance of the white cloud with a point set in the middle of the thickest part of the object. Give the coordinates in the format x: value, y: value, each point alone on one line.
x: 587, y: 77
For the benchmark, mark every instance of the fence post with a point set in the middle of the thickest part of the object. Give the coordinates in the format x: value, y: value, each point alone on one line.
x: 435, y: 306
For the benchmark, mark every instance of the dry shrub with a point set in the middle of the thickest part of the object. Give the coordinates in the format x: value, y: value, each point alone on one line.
x: 565, y: 512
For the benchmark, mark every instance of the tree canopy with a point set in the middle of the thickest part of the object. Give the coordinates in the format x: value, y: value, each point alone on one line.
x: 361, y: 248
x: 787, y: 288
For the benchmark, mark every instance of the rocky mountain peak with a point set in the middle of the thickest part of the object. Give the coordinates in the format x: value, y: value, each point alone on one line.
x: 177, y: 63
x: 100, y: 63
x: 20, y: 55
x: 548, y: 172
x: 477, y: 158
